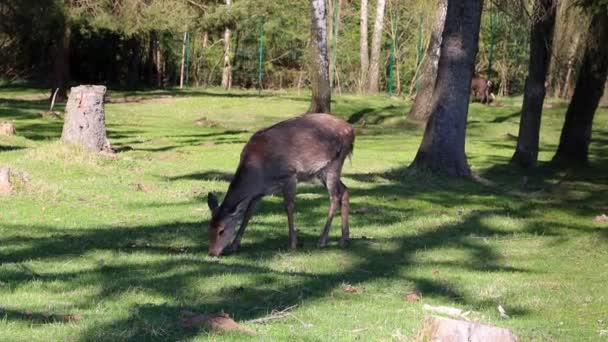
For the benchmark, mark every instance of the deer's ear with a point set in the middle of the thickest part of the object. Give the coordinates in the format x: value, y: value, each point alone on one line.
x: 212, y: 202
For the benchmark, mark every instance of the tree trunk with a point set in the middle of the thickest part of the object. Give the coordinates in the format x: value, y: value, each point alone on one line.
x: 159, y: 64
x: 541, y: 39
x: 182, y: 69
x: 319, y: 72
x: 227, y: 73
x: 363, y: 48
x: 574, y: 142
x: 565, y: 91
x: 134, y: 63
x: 61, y: 63
x: 374, y: 64
x: 421, y: 109
x: 443, y: 146
x: 85, y: 119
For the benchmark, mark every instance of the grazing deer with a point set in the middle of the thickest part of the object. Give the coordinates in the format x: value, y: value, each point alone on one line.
x: 276, y: 159
x: 482, y: 87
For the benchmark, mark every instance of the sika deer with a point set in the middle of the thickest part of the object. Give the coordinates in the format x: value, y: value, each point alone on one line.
x: 276, y: 159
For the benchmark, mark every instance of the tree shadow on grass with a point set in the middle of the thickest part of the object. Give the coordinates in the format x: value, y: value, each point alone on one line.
x: 248, y: 285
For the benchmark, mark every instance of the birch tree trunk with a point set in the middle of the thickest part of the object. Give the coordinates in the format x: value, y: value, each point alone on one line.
x: 363, y: 48
x: 227, y: 73
x: 183, y: 61
x: 442, y: 149
x: 374, y: 64
x: 573, y: 149
x: 319, y: 72
x: 541, y: 40
x: 421, y: 109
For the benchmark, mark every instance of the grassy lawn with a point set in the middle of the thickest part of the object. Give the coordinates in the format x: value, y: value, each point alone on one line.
x: 113, y: 248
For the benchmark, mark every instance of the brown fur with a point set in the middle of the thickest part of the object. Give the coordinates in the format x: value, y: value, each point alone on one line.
x: 483, y: 88
x: 276, y: 159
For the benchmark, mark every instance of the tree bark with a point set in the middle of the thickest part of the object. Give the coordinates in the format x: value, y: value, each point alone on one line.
x: 134, y: 63
x: 183, y: 61
x: 85, y: 119
x: 363, y: 48
x: 421, y: 109
x: 321, y: 91
x: 61, y: 62
x: 442, y: 149
x: 227, y: 73
x: 574, y: 142
x: 159, y: 64
x: 374, y: 64
x: 541, y: 39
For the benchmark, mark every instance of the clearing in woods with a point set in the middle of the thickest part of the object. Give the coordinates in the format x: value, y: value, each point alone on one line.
x: 103, y: 248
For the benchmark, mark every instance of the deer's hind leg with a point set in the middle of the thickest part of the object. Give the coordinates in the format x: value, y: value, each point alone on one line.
x: 336, y: 190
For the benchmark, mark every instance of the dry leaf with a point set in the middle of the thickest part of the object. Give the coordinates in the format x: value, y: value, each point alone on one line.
x: 413, y: 296
x: 142, y: 187
x: 72, y: 318
x: 348, y: 288
x: 217, y: 321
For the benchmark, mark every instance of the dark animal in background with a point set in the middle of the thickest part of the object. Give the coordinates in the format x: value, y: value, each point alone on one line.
x: 482, y: 88
x: 276, y: 159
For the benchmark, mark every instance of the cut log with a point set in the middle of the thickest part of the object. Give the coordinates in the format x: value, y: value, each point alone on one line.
x: 5, y: 181
x: 443, y: 329
x: 85, y: 119
x: 7, y: 128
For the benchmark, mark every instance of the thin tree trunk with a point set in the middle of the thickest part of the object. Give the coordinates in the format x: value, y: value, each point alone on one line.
x: 571, y: 59
x: 374, y: 64
x: 442, y: 149
x: 159, y: 64
x: 134, y: 63
x: 574, y: 142
x: 541, y: 39
x: 61, y: 63
x: 363, y: 48
x: 421, y: 109
x: 183, y: 61
x: 227, y: 72
x: 321, y: 92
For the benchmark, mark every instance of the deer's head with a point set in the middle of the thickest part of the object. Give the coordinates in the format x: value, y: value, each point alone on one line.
x: 222, y: 227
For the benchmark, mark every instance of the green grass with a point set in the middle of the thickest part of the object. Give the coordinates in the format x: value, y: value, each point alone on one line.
x: 80, y: 237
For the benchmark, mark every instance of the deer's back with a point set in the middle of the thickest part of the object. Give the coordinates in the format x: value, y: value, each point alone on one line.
x: 304, y: 145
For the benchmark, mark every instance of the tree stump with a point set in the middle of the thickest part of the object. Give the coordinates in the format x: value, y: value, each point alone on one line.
x: 7, y: 128
x: 443, y: 329
x: 5, y: 181
x: 85, y: 119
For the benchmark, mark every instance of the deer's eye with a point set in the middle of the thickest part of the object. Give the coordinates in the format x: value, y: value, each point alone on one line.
x: 221, y: 232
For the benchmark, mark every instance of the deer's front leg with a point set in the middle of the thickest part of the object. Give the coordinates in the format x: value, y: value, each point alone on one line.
x: 236, y: 243
x: 289, y: 197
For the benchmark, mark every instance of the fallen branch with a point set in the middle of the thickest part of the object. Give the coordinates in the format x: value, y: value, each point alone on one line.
x: 274, y: 315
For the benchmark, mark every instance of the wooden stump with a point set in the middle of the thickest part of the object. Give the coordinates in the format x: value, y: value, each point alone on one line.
x: 441, y: 329
x: 85, y: 119
x: 5, y: 181
x: 7, y: 128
